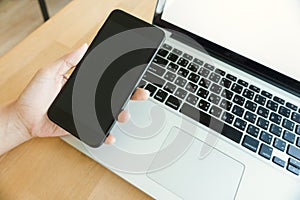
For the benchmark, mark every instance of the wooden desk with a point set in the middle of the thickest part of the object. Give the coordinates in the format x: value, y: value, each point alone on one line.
x: 48, y: 168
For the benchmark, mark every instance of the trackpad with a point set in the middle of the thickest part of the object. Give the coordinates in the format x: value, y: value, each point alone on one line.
x: 193, y: 175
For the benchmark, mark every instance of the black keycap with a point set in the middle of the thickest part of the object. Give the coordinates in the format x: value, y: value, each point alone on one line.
x: 214, y: 98
x: 275, y: 118
x: 172, y: 67
x: 187, y: 56
x: 278, y: 161
x: 227, y: 94
x: 288, y: 136
x: 204, y: 83
x: 237, y: 110
x: 250, y: 143
x: 239, y: 100
x: 297, y: 130
x: 167, y: 46
x: 192, y: 99
x: 211, y: 122
x: 203, y: 105
x: 260, y: 99
x: 169, y: 87
x: 177, y: 51
x: 272, y: 105
x: 156, y: 69
x: 276, y: 130
x: 231, y: 77
x: 172, y: 57
x: 262, y: 123
x: 180, y: 81
x: 191, y: 87
x: 220, y: 72
x: 227, y: 117
x: 202, y: 93
x: 215, y: 88
x: 215, y: 111
x: 160, y: 61
x: 293, y: 151
x: 252, y: 130
x: 193, y: 77
x: 250, y: 117
x: 291, y: 106
x: 180, y: 93
x: 183, y: 72
x: 183, y: 62
x: 298, y: 142
x: 284, y: 111
x: 254, y: 88
x: 266, y: 94
x: 162, y: 52
x: 279, y: 144
x: 288, y: 124
x: 296, y: 117
x: 214, y: 77
x: 278, y: 100
x: 293, y: 169
x: 151, y: 88
x: 237, y: 88
x: 265, y: 137
x: 208, y: 66
x: 242, y: 82
x: 160, y: 95
x: 240, y: 124
x: 154, y: 79
x: 248, y: 94
x: 203, y: 72
x: 225, y: 82
x: 262, y: 111
x: 294, y: 162
x: 250, y: 105
x: 142, y: 84
x: 193, y: 67
x: 170, y: 76
x: 265, y: 151
x: 197, y: 61
x: 225, y: 104
x: 173, y: 102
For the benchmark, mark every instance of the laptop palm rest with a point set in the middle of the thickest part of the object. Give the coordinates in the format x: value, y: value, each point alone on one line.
x: 213, y: 176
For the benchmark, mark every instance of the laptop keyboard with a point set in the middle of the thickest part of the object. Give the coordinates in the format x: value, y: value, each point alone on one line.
x: 238, y: 110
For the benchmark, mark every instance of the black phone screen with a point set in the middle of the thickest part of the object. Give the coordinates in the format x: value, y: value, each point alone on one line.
x: 105, y: 78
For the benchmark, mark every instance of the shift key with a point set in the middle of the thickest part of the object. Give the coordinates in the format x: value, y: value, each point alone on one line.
x: 154, y: 79
x: 156, y: 69
x: 294, y: 152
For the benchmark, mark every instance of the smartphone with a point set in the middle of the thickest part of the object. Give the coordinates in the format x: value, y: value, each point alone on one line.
x: 102, y: 83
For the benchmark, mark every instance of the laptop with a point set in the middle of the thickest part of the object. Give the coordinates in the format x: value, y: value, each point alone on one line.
x: 223, y: 117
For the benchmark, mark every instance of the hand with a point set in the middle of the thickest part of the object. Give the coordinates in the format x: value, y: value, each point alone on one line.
x: 32, y: 106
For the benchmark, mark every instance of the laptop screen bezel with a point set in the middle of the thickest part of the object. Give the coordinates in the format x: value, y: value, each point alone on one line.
x: 222, y: 53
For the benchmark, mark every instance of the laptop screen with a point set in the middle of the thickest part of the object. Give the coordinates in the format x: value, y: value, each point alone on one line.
x: 267, y: 32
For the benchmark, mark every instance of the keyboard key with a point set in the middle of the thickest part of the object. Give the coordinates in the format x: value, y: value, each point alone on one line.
x: 225, y: 104
x: 204, y: 83
x: 203, y: 105
x: 250, y: 143
x: 169, y: 87
x: 208, y: 66
x: 159, y: 82
x: 173, y: 102
x: 180, y: 81
x: 198, y: 61
x: 202, y: 93
x: 293, y: 169
x: 262, y: 123
x: 183, y: 72
x: 237, y: 110
x: 160, y: 61
x: 284, y: 111
x: 276, y: 130
x: 266, y: 94
x: 272, y: 105
x: 214, y: 98
x: 203, y: 72
x: 288, y: 124
x: 187, y: 56
x: 297, y: 129
x: 252, y: 130
x: 172, y: 67
x: 250, y: 117
x: 151, y: 88
x: 279, y: 144
x: 242, y: 82
x: 278, y: 100
x: 275, y: 118
x: 180, y: 93
x: 294, y: 162
x: 183, y: 62
x: 193, y: 77
x: 278, y: 161
x: 227, y: 117
x: 225, y: 82
x: 214, y: 77
x: 231, y: 77
x: 156, y: 69
x: 215, y: 88
x: 248, y: 94
x: 177, y: 51
x: 254, y: 88
x: 192, y: 99
x: 239, y: 100
x: 142, y: 84
x: 162, y: 52
x: 227, y: 94
x: 250, y: 105
x: 240, y: 124
x: 215, y: 111
x: 293, y: 151
x: 160, y: 95
x: 172, y: 57
x: 193, y: 67
x: 296, y: 117
x: 170, y: 76
x: 260, y: 99
x: 288, y: 136
x: 237, y: 88
x: 220, y: 72
x: 291, y: 106
x: 265, y: 137
x: 262, y: 111
x: 298, y: 142
x: 212, y: 123
x: 191, y: 87
x: 265, y: 151
x: 166, y: 46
